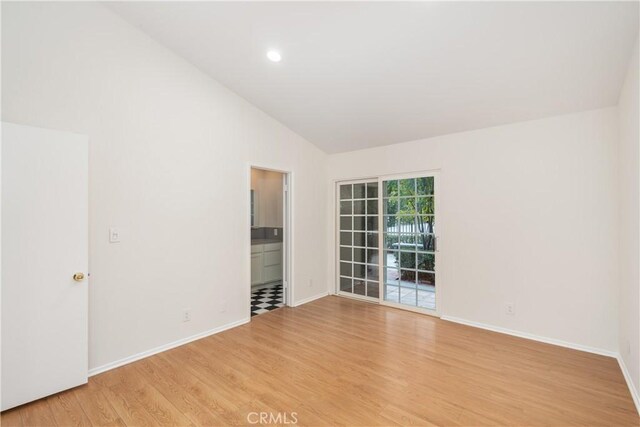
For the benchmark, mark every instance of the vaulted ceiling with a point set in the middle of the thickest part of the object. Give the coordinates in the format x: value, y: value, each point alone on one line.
x: 363, y: 74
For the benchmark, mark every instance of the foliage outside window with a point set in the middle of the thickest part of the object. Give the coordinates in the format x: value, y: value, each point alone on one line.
x: 409, y: 222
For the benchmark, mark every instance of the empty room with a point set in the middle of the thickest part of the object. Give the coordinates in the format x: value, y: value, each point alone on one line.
x: 320, y: 213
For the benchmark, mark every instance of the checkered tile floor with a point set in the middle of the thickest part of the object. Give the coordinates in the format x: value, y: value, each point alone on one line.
x: 266, y: 299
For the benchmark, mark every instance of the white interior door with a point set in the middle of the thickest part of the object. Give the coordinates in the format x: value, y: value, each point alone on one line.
x: 44, y: 244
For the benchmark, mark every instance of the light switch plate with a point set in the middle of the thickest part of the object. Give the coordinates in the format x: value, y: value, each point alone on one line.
x: 114, y: 235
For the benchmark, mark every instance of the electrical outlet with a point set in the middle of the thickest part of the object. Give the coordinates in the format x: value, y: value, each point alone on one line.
x: 311, y: 283
x: 186, y: 316
x: 509, y: 308
x: 275, y: 231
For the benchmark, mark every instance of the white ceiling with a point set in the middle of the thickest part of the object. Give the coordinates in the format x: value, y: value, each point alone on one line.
x: 364, y: 74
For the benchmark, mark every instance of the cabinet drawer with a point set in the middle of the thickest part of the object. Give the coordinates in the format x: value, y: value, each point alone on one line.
x: 272, y: 247
x: 256, y: 248
x: 272, y: 258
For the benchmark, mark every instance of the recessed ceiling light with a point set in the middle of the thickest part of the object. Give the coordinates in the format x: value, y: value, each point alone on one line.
x: 274, y: 56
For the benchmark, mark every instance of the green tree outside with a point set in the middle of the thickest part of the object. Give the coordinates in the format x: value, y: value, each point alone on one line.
x: 409, y: 205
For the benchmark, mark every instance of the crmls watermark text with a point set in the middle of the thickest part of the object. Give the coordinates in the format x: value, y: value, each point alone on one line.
x: 272, y: 417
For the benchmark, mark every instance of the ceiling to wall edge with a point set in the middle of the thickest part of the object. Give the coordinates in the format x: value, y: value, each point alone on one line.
x: 308, y: 140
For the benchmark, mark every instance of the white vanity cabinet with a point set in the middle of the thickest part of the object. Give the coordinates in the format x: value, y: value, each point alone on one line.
x: 256, y: 265
x: 266, y: 263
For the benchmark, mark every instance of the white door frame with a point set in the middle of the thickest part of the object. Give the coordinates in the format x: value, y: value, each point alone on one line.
x: 438, y: 254
x: 287, y: 230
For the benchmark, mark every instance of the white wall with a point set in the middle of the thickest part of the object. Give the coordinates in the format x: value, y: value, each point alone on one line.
x: 528, y: 215
x: 629, y: 187
x: 169, y: 156
x: 170, y: 151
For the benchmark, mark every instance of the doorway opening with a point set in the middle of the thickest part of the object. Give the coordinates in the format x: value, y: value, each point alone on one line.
x: 269, y: 246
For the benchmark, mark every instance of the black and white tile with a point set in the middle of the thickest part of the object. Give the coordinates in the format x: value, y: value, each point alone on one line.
x: 266, y: 299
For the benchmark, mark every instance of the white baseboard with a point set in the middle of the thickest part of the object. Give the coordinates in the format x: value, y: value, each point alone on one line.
x: 165, y: 347
x: 630, y: 384
x: 533, y: 337
x: 313, y: 298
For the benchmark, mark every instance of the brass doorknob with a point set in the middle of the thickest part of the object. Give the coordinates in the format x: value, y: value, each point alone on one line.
x: 78, y: 277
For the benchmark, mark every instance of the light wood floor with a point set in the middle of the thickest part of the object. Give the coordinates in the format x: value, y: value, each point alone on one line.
x: 341, y: 362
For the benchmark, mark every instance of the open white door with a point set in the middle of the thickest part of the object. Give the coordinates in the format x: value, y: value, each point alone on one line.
x: 44, y: 252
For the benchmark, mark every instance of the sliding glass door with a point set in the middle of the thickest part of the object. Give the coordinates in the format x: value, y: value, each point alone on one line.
x: 387, y: 236
x: 409, y: 242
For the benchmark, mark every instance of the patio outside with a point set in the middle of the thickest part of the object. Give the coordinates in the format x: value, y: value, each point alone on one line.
x: 408, y: 292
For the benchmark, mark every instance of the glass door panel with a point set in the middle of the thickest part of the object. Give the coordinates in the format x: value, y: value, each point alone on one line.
x: 358, y: 270
x: 409, y: 242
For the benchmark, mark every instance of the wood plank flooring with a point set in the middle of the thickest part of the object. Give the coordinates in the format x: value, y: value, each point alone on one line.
x: 337, y: 361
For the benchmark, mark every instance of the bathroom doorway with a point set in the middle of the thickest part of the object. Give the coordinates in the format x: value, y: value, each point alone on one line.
x: 269, y: 246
